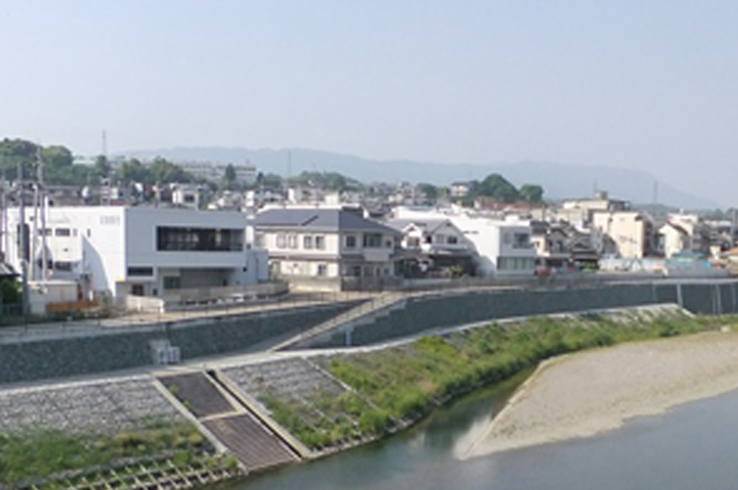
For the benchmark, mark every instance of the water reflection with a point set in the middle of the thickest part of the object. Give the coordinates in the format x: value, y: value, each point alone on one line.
x: 692, y: 447
x: 397, y: 461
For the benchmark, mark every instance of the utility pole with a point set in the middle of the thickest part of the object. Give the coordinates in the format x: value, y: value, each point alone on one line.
x: 3, y: 217
x: 42, y: 211
x: 22, y: 241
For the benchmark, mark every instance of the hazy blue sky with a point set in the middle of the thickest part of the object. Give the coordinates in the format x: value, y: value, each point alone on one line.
x: 642, y: 84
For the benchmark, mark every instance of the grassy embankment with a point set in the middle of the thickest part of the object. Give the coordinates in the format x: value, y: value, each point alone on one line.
x: 397, y: 386
x: 55, y: 459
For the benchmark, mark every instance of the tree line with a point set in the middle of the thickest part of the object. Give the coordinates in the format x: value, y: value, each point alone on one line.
x: 60, y: 168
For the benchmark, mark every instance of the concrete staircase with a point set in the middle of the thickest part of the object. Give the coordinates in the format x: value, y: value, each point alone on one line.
x: 229, y: 421
x: 364, y: 313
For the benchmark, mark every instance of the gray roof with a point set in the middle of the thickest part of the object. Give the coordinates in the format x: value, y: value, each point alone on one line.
x: 426, y: 224
x: 6, y: 270
x: 318, y: 219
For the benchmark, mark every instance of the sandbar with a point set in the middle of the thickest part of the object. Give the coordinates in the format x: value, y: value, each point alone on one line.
x: 590, y: 392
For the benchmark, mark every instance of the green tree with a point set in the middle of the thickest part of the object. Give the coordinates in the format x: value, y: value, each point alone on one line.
x: 270, y: 181
x: 10, y: 292
x: 229, y: 178
x: 57, y: 157
x: 430, y: 191
x: 101, y: 169
x: 14, y: 152
x: 165, y: 172
x: 497, y: 187
x: 531, y: 193
x: 134, y: 171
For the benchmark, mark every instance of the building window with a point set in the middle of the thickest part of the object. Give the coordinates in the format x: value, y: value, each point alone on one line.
x: 413, y: 242
x: 170, y: 239
x: 372, y: 240
x: 307, y: 242
x: 259, y: 240
x: 172, y: 283
x: 281, y: 240
x: 63, y: 266
x: 320, y: 242
x: 140, y: 271
x: 352, y: 271
x: 521, y: 240
x: 322, y: 270
x: 452, y: 240
x: 350, y: 241
x: 292, y: 241
x: 62, y: 232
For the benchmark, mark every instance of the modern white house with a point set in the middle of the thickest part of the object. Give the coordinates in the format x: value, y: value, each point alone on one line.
x: 327, y: 248
x: 434, y: 246
x: 141, y: 251
x: 503, y: 247
x: 684, y: 232
x: 673, y: 239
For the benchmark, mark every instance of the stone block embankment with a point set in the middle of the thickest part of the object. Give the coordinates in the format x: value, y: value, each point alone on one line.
x: 111, y: 350
x: 430, y: 312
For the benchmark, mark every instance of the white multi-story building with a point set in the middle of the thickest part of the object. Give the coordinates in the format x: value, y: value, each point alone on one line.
x: 215, y: 171
x: 503, y: 247
x: 143, y: 251
x: 580, y: 212
x: 631, y: 231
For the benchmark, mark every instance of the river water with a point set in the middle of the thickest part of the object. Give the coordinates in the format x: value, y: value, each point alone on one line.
x: 694, y: 446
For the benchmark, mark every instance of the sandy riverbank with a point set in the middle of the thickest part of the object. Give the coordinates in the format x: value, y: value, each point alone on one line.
x: 595, y: 391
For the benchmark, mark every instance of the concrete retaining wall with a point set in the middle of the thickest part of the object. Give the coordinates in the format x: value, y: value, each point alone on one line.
x: 45, y: 359
x: 60, y: 358
x: 426, y: 313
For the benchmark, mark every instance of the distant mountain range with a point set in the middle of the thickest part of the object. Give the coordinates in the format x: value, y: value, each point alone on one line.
x: 560, y: 181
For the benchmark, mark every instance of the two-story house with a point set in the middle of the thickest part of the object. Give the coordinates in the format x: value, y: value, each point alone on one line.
x: 434, y: 247
x: 327, y: 248
x: 503, y: 247
x: 684, y: 233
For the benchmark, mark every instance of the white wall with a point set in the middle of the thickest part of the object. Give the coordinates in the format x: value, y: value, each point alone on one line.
x: 104, y: 241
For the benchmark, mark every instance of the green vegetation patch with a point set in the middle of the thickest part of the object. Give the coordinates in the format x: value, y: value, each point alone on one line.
x: 321, y: 420
x: 30, y: 456
x: 400, y: 385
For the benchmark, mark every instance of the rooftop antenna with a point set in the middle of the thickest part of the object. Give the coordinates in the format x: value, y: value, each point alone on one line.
x: 106, y: 187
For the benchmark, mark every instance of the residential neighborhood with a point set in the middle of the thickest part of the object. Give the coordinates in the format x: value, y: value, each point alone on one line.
x: 230, y: 229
